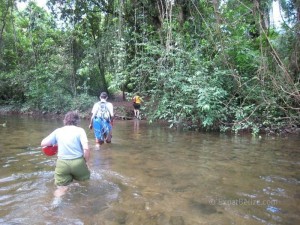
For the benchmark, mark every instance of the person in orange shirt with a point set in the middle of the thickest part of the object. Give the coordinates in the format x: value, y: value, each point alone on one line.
x: 137, y: 100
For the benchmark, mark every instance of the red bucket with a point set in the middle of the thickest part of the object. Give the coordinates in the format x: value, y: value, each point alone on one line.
x: 50, y: 150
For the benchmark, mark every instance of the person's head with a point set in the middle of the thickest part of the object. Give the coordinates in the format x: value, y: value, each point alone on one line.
x: 103, y: 95
x: 71, y: 118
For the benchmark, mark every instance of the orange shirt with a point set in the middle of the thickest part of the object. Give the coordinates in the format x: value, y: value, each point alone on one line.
x: 137, y: 99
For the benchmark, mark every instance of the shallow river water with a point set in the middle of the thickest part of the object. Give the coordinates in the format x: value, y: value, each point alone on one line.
x: 152, y: 175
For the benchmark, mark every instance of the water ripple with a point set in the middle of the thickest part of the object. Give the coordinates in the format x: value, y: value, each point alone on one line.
x: 280, y: 179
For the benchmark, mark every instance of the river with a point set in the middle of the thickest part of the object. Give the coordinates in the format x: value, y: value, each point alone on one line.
x: 152, y: 175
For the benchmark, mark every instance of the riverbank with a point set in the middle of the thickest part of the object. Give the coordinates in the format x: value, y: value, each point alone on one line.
x: 123, y: 110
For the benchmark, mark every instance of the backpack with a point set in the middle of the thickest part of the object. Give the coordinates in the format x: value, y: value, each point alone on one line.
x: 103, y: 111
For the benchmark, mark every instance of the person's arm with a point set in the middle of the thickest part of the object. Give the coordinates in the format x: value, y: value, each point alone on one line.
x: 86, y: 153
x: 85, y: 147
x: 48, y: 141
x: 112, y: 111
x: 91, y: 122
x: 110, y: 108
x: 92, y: 117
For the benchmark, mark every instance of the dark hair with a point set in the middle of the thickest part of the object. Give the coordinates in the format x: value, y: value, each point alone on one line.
x: 71, y: 118
x: 103, y: 95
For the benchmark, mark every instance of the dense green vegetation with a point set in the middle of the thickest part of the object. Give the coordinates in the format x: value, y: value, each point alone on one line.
x: 212, y: 65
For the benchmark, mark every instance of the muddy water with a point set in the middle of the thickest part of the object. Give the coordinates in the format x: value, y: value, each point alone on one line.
x: 152, y: 175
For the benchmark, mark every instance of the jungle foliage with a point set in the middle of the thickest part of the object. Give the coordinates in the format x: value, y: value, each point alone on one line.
x: 213, y: 65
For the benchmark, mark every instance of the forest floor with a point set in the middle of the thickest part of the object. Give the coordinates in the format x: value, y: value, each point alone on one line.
x: 123, y: 109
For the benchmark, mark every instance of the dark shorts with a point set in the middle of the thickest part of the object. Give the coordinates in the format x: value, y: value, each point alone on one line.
x: 136, y: 106
x: 68, y: 169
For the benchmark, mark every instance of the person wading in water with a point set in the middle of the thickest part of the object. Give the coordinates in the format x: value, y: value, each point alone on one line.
x: 73, y: 153
x: 101, y: 119
x: 137, y: 100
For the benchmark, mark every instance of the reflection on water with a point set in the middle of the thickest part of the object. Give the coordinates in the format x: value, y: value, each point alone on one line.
x: 152, y: 175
